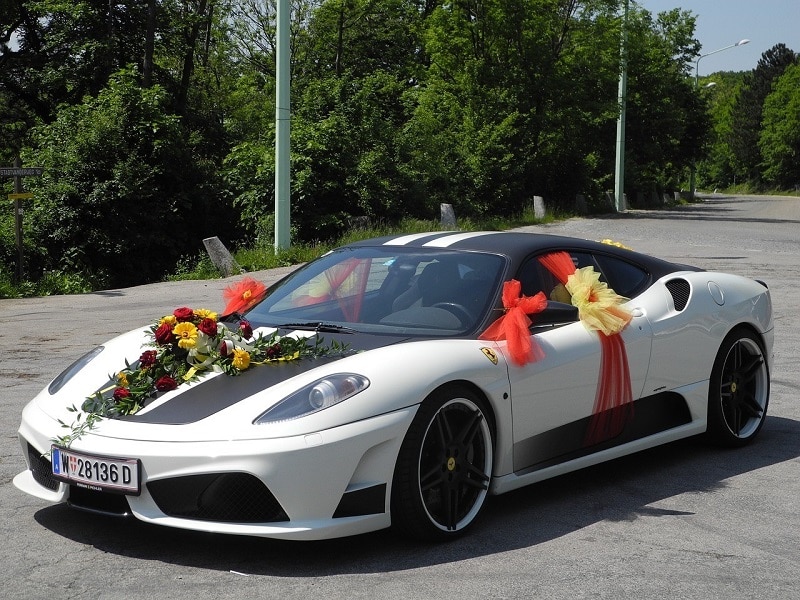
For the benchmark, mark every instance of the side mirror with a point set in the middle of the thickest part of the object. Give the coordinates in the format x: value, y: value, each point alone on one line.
x: 556, y: 313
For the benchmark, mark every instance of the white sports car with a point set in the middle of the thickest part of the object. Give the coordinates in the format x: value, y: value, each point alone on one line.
x: 398, y: 382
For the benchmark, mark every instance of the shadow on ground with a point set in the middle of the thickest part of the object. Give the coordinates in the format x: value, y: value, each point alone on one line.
x: 621, y: 490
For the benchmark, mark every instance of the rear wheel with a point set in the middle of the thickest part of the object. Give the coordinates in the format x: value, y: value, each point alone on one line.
x: 444, y: 466
x: 739, y: 390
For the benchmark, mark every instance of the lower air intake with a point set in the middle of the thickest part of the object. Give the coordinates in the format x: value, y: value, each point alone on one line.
x: 102, y: 503
x: 220, y: 497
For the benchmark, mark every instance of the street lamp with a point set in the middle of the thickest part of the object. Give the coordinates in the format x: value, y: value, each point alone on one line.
x: 702, y: 56
x: 696, y: 81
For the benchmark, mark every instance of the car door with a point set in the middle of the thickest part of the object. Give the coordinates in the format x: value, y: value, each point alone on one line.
x: 553, y: 398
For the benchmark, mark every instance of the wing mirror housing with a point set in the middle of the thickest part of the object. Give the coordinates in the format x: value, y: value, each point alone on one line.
x: 556, y: 313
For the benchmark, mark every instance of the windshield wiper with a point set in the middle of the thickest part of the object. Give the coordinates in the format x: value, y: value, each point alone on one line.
x: 318, y: 326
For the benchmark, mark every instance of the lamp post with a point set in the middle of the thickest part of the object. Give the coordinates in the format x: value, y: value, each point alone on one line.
x: 702, y: 56
x: 696, y: 82
x: 619, y: 160
x: 282, y: 128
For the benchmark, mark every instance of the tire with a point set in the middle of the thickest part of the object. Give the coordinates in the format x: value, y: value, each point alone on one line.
x: 444, y: 466
x: 738, y: 394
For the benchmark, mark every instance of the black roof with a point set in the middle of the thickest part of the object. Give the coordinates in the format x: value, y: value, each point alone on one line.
x: 517, y: 246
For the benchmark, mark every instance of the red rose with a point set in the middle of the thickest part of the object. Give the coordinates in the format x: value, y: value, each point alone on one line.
x: 183, y: 314
x: 245, y: 328
x: 208, y: 326
x: 274, y: 351
x: 148, y: 358
x: 166, y: 383
x: 121, y: 393
x: 164, y: 334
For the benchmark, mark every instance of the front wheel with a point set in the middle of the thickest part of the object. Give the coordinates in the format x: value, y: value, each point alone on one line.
x: 444, y: 466
x: 739, y: 390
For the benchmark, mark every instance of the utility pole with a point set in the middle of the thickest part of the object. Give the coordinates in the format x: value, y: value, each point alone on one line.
x: 282, y: 129
x: 619, y: 172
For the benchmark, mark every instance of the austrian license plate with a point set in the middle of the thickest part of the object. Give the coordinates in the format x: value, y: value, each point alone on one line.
x: 102, y: 473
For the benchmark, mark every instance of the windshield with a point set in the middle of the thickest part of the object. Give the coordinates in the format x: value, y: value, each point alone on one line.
x: 387, y: 290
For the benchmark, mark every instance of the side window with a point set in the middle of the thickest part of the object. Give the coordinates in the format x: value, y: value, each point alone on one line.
x: 535, y: 278
x: 625, y: 278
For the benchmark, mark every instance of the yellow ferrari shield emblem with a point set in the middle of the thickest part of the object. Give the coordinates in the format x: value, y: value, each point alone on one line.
x: 490, y: 354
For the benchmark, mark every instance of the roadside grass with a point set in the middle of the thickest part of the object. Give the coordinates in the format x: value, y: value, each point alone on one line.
x: 264, y: 256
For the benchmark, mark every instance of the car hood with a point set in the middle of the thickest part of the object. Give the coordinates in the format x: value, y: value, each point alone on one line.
x: 211, y: 393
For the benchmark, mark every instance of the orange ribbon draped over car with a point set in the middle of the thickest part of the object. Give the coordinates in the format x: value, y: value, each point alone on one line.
x: 599, y: 308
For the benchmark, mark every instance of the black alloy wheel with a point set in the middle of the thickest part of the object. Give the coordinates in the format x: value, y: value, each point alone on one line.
x: 739, y: 390
x: 444, y: 466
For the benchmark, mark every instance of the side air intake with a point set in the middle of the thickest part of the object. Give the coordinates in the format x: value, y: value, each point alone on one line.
x: 680, y: 290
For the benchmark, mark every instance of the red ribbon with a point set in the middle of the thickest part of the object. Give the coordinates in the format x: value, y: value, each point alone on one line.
x: 613, y: 402
x: 514, y: 325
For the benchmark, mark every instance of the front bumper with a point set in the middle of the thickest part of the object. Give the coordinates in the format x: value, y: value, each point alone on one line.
x: 332, y: 483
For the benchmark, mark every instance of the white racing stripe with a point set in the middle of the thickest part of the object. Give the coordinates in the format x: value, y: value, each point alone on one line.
x: 407, y: 239
x: 449, y: 240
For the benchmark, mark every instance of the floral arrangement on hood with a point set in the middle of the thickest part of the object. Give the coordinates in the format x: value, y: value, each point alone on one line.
x: 183, y: 345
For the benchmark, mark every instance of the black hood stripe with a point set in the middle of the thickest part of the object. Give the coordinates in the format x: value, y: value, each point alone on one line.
x: 204, y: 398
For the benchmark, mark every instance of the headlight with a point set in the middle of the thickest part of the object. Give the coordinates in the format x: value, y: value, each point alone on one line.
x: 71, y: 370
x: 315, y: 397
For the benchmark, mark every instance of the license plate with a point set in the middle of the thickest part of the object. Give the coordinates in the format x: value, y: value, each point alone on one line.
x: 102, y: 473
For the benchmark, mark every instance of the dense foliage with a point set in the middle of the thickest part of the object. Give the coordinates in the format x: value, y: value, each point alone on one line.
x: 154, y: 119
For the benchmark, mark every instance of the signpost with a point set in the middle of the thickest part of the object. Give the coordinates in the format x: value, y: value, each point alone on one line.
x: 21, y: 171
x: 18, y: 172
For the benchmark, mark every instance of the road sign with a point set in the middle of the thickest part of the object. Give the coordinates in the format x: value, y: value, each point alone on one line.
x: 21, y: 196
x: 21, y: 171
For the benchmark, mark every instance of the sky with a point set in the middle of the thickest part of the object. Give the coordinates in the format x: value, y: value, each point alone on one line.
x: 721, y: 23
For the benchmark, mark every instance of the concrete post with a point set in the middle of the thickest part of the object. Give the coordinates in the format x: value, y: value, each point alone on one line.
x: 221, y: 258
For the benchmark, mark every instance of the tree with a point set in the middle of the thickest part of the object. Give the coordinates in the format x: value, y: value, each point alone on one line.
x: 779, y: 142
x: 667, y: 123
x: 716, y: 168
x: 748, y: 110
x: 122, y: 198
x: 66, y: 50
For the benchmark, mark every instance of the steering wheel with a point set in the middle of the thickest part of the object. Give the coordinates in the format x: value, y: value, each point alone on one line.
x: 459, y: 310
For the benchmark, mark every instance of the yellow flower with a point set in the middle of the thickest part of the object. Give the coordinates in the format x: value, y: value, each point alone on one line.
x: 187, y: 335
x: 122, y: 379
x: 169, y: 319
x: 598, y: 305
x: 613, y: 243
x: 241, y: 359
x: 204, y: 313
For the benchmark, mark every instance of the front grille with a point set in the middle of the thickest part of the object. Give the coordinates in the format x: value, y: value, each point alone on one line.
x: 220, y: 497
x: 680, y: 290
x: 41, y: 469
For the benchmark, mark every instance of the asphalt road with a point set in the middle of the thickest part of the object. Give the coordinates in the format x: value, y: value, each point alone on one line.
x: 682, y: 521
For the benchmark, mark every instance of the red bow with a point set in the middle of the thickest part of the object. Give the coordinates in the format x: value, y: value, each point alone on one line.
x: 243, y: 295
x: 514, y: 325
